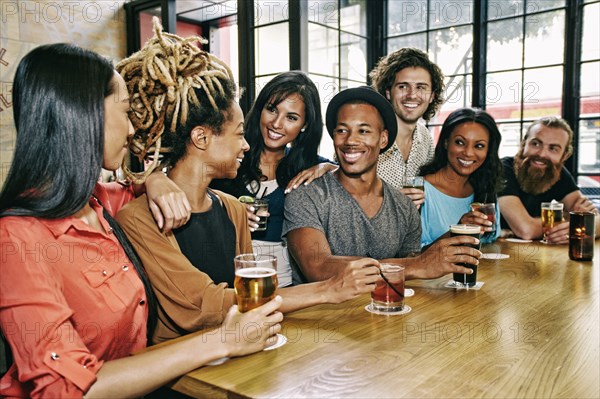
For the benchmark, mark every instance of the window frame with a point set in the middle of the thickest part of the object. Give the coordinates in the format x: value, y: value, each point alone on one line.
x: 571, y: 62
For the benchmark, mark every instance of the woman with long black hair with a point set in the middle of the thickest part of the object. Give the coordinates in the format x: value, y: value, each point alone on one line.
x: 74, y: 298
x: 465, y: 169
x: 284, y: 129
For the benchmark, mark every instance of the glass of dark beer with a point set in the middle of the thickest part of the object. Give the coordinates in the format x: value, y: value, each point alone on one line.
x: 581, y: 235
x: 466, y: 280
x: 255, y: 280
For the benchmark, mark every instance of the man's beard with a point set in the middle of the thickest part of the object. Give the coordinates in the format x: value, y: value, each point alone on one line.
x: 534, y: 180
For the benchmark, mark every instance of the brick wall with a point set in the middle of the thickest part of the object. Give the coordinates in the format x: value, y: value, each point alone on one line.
x: 95, y: 24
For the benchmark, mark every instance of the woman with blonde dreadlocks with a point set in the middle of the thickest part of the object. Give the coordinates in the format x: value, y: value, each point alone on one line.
x: 183, y: 98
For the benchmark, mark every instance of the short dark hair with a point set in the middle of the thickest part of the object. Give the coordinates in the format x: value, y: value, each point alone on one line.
x: 556, y: 123
x: 383, y: 75
x: 364, y: 94
x: 487, y: 179
x: 58, y: 106
x: 200, y: 116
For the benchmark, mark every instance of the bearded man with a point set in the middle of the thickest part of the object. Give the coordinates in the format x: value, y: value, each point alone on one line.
x: 537, y: 174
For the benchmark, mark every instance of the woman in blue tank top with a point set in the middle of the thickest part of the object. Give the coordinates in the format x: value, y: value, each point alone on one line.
x: 465, y: 169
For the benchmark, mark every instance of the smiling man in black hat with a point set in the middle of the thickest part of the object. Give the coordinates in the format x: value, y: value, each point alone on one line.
x: 350, y: 220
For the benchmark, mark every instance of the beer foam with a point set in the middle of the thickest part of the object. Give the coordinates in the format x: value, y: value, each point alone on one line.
x: 255, y: 272
x: 494, y: 256
x: 465, y: 229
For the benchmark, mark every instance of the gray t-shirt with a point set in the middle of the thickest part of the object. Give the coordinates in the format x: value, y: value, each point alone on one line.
x: 325, y: 205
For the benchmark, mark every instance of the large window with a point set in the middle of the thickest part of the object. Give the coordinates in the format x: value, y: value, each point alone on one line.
x: 215, y: 20
x: 588, y: 149
x: 337, y: 39
x: 524, y: 80
x: 518, y: 59
x: 532, y: 58
x: 271, y: 40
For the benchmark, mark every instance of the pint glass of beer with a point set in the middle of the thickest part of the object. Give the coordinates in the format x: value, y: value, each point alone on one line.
x: 255, y: 280
x: 552, y: 214
x: 467, y: 280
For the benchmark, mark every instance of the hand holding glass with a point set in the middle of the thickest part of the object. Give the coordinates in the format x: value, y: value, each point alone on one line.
x: 552, y: 214
x: 388, y: 295
x: 489, y: 209
x: 414, y: 182
x: 255, y: 280
x: 261, y: 209
x: 467, y: 280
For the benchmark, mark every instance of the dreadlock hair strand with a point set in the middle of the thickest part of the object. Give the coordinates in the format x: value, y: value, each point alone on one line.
x: 170, y: 80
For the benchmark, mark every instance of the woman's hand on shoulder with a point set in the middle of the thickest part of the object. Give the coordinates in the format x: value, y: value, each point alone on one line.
x: 308, y: 175
x: 167, y: 202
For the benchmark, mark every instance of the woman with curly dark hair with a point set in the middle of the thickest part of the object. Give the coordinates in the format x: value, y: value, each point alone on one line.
x: 465, y: 169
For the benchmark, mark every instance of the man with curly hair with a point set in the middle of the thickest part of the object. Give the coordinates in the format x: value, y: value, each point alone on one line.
x: 414, y: 86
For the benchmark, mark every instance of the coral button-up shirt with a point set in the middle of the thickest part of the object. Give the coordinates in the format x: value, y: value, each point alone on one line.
x: 70, y: 299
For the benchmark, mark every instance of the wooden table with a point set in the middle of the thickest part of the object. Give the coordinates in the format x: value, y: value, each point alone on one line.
x: 532, y: 331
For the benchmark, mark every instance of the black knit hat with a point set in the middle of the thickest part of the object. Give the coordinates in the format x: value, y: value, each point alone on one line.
x: 367, y: 94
